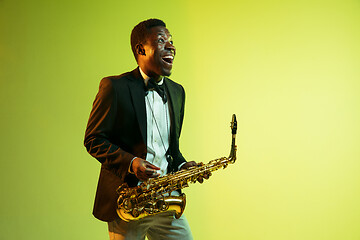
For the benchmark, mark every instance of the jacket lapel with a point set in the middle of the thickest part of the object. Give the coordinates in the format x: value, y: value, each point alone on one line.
x: 137, y: 92
x: 175, y: 104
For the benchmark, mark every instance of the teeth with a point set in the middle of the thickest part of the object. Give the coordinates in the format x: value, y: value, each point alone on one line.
x: 169, y: 59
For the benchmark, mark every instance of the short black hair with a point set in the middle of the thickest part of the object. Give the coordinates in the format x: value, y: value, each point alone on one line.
x: 141, y: 31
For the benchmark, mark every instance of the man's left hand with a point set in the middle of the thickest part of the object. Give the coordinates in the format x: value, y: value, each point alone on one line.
x: 192, y: 164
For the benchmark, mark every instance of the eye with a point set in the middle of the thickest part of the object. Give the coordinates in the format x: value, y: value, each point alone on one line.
x: 161, y: 40
x: 172, y: 42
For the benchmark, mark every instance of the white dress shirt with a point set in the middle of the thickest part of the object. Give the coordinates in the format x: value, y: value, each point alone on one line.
x: 158, y: 128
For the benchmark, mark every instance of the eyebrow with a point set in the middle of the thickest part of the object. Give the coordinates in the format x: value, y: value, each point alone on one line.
x: 162, y: 34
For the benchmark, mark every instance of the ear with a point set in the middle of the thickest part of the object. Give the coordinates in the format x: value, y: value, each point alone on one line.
x: 140, y: 50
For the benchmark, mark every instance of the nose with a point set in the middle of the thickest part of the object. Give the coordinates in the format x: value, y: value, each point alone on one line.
x: 169, y: 46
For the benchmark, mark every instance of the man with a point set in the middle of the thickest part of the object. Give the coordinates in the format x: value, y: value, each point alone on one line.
x: 134, y: 129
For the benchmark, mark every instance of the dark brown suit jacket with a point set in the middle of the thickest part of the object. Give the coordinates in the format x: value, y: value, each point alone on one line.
x: 116, y: 133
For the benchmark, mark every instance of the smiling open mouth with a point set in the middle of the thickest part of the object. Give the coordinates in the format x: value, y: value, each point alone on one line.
x: 168, y: 59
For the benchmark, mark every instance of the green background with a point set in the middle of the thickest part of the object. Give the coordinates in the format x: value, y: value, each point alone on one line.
x: 288, y: 69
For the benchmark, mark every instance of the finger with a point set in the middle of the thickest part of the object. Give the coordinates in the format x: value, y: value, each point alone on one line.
x: 155, y: 175
x: 151, y: 166
x: 190, y: 164
x: 151, y: 173
x: 142, y: 177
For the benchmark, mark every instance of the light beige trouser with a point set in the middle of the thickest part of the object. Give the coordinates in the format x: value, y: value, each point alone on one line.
x: 163, y: 226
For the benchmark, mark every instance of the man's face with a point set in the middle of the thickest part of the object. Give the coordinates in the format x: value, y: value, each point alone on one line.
x: 159, y: 53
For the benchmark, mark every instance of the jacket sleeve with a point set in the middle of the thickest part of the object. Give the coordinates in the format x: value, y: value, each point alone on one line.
x: 100, y: 128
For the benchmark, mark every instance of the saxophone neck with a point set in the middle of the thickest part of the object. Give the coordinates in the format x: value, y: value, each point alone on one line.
x: 233, y: 126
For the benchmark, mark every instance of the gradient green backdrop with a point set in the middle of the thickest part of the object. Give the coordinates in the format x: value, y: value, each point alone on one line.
x: 290, y: 70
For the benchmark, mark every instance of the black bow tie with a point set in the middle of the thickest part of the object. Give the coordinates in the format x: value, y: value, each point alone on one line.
x: 160, y: 89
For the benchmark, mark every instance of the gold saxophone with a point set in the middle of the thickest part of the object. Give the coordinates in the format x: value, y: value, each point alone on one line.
x: 154, y: 195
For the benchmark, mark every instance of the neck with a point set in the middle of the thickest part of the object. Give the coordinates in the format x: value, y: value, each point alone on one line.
x: 158, y: 78
x: 146, y: 77
x: 150, y: 74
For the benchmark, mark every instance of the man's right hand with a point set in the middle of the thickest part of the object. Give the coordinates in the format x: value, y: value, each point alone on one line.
x: 144, y: 170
